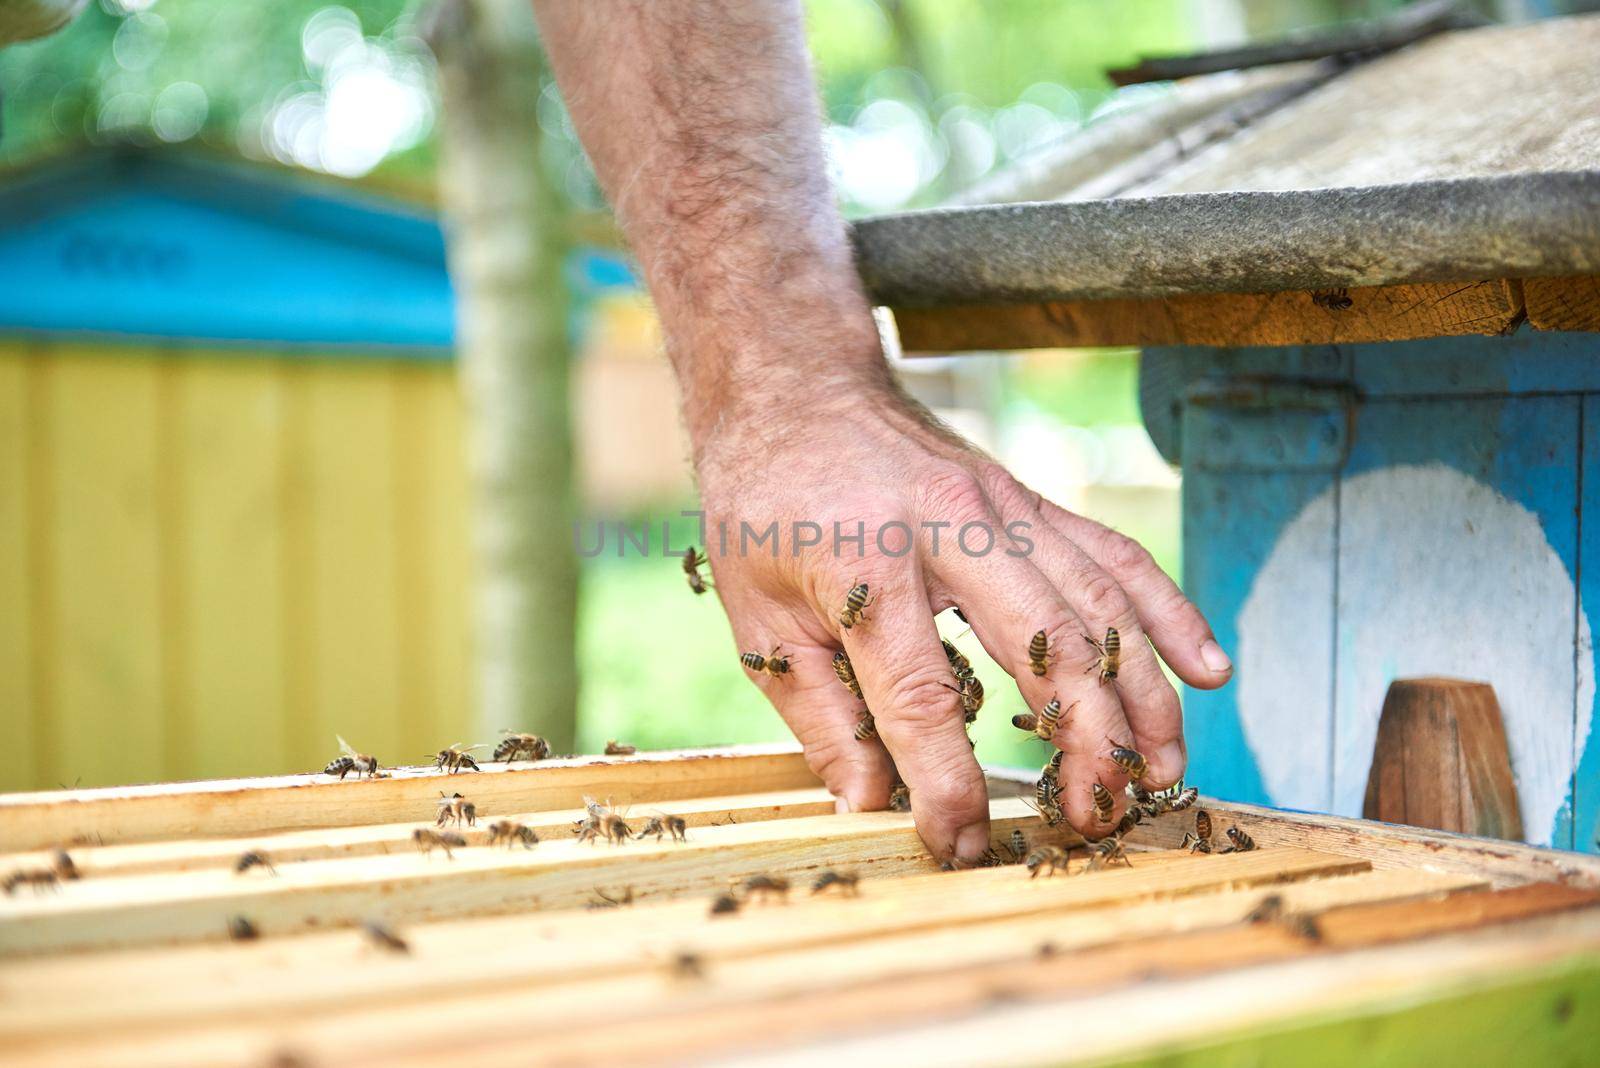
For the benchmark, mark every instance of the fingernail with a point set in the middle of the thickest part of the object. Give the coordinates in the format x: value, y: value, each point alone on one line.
x: 1213, y: 657
x: 972, y: 842
x: 1168, y: 762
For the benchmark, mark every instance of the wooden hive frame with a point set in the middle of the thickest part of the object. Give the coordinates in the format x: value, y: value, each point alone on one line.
x: 1434, y: 942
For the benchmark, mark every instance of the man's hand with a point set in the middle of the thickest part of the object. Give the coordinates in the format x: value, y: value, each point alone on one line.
x: 701, y: 121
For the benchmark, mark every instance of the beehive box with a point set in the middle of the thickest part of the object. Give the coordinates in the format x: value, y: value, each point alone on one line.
x: 1420, y: 946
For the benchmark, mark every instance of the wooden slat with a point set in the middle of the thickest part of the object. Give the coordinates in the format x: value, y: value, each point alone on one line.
x: 233, y: 807
x: 489, y: 954
x: 1563, y: 303
x: 199, y: 854
x: 620, y: 956
x: 1376, y: 313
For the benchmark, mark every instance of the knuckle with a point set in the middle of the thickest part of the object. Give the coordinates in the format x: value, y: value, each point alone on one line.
x: 954, y: 495
x: 1123, y: 554
x: 919, y: 700
x: 1103, y: 596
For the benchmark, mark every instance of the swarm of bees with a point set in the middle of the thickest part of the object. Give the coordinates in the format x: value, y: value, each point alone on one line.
x: 771, y: 664
x: 521, y: 747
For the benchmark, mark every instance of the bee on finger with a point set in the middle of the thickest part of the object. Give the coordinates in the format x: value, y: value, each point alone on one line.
x: 846, y: 883
x: 772, y: 664
x: 856, y: 603
x: 767, y: 887
x: 349, y: 761
x: 1176, y: 800
x: 616, y: 748
x: 971, y: 694
x: 1131, y: 818
x: 384, y: 938
x: 1110, y: 658
x: 1131, y: 761
x: 692, y: 562
x: 254, y: 859
x: 521, y: 747
x: 900, y: 798
x: 1103, y: 803
x: 866, y: 726
x: 1047, y: 859
x: 1049, y: 717
x: 1039, y: 653
x: 1025, y: 721
x: 959, y: 664
x: 510, y: 832
x: 847, y: 674
x: 456, y: 758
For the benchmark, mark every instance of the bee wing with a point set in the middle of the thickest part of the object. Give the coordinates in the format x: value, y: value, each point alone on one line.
x: 347, y: 749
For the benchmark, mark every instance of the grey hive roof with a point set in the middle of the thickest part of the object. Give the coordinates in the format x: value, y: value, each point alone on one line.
x: 1471, y: 154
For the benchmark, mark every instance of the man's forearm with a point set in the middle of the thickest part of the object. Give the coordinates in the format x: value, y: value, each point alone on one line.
x: 702, y: 123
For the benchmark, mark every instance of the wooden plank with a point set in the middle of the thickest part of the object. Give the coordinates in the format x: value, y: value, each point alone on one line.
x: 560, y: 874
x: 1375, y: 313
x: 106, y: 576
x: 229, y: 426
x: 234, y: 807
x: 897, y: 925
x: 1563, y: 303
x: 18, y: 730
x: 373, y: 839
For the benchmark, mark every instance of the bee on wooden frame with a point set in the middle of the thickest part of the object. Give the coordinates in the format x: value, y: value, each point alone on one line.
x: 1194, y: 843
x: 771, y: 664
x: 1048, y: 859
x: 384, y: 938
x: 1238, y: 842
x: 692, y: 562
x: 456, y: 758
x: 351, y: 761
x: 1106, y: 852
x: 1110, y: 658
x: 1332, y: 299
x: 616, y: 748
x: 453, y: 808
x: 428, y: 840
x: 1018, y: 844
x: 766, y: 887
x: 856, y: 603
x: 63, y: 865
x: 724, y: 904
x: 254, y: 859
x: 40, y: 879
x: 847, y: 883
x: 242, y: 930
x: 509, y: 832
x: 521, y: 747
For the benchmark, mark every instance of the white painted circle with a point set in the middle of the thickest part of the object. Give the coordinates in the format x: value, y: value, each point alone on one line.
x: 1439, y: 574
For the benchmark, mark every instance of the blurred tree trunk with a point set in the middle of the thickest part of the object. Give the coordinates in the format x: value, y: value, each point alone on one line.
x: 23, y: 20
x: 505, y: 231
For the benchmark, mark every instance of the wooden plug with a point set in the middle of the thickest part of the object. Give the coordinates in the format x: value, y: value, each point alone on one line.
x: 1441, y: 760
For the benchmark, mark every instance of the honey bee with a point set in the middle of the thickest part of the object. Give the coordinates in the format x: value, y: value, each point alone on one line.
x: 958, y: 663
x: 1104, y: 803
x: 64, y: 867
x: 1269, y: 909
x: 1239, y: 842
x: 1106, y: 852
x: 521, y: 747
x: 1202, y: 824
x: 1130, y: 819
x: 588, y: 828
x: 856, y: 603
x: 847, y: 674
x: 428, y: 841
x: 1049, y: 716
x: 1194, y: 843
x: 41, y: 880
x: 510, y: 832
x: 456, y: 758
x: 242, y: 930
x: 723, y: 904
x: 454, y: 808
x: 254, y: 859
x: 692, y: 562
x: 615, y: 748
x: 1018, y: 844
x: 767, y: 886
x: 1039, y: 653
x: 1048, y: 859
x: 351, y: 761
x: 866, y: 726
x: 900, y: 798
x: 653, y: 828
x: 678, y: 828
x: 1332, y: 299
x: 971, y: 694
x: 1131, y: 761
x: 1304, y: 925
x: 1110, y: 652
x: 847, y: 883
x: 1025, y: 721
x: 1176, y: 799
x: 384, y: 938
x: 773, y: 664
x: 616, y: 829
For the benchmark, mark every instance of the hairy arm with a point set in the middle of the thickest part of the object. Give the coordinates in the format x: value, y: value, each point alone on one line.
x: 702, y: 122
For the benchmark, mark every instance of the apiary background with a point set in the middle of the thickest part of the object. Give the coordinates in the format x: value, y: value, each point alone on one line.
x: 1428, y: 945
